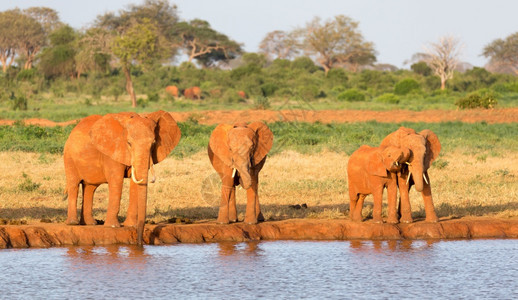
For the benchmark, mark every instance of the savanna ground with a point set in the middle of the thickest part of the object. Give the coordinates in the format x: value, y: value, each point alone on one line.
x: 476, y: 173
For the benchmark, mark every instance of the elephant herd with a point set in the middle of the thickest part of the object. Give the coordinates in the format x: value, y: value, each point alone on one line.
x: 107, y: 149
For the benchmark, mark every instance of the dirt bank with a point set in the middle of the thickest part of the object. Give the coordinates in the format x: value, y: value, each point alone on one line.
x: 49, y: 235
x: 503, y: 115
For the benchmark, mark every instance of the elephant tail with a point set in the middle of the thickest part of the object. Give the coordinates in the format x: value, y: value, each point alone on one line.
x: 65, y: 196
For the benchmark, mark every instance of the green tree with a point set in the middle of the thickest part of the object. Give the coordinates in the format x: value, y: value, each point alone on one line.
x: 503, y: 53
x: 138, y: 44
x: 336, y: 42
x: 198, y: 39
x: 139, y: 35
x: 58, y: 58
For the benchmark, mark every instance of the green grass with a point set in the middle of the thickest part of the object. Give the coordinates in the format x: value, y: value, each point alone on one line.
x: 71, y: 107
x: 477, y: 138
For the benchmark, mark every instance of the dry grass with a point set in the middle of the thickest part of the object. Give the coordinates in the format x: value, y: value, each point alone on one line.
x: 463, y: 185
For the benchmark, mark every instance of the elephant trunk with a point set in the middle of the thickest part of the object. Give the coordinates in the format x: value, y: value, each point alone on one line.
x: 244, y: 175
x: 140, y: 172
x: 418, y: 176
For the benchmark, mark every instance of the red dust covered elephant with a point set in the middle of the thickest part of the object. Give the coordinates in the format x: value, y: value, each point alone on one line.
x: 192, y: 93
x: 424, y: 148
x: 238, y: 152
x: 107, y: 149
x: 369, y: 171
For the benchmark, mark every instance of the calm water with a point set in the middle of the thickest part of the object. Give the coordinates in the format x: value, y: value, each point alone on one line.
x: 278, y: 269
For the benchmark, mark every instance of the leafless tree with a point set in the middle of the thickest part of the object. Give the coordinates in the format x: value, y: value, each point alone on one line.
x: 443, y: 57
x: 280, y: 44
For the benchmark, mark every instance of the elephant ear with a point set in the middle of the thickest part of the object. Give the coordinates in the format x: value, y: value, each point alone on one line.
x: 264, y: 140
x: 111, y: 138
x: 167, y: 134
x: 218, y: 143
x: 433, y: 147
x: 406, y: 154
x: 375, y: 165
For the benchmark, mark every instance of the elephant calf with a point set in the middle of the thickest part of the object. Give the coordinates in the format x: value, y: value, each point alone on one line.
x: 369, y: 171
x: 238, y: 152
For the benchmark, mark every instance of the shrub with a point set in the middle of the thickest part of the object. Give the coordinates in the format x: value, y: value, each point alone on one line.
x: 480, y: 99
x: 269, y: 89
x: 153, y: 97
x: 261, y: 103
x: 28, y: 185
x: 18, y: 103
x: 421, y: 68
x: 405, y: 86
x: 308, y: 92
x: 351, y: 95
x: 142, y: 102
x: 387, y: 98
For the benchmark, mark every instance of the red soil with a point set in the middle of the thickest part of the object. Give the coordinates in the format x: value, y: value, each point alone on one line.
x: 48, y: 235
x: 503, y: 115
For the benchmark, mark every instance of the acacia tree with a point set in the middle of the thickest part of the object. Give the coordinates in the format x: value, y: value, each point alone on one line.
x: 199, y: 39
x: 336, y: 42
x: 138, y: 44
x: 93, y: 51
x: 8, y: 44
x: 137, y: 35
x: 503, y: 53
x: 280, y: 44
x: 443, y: 57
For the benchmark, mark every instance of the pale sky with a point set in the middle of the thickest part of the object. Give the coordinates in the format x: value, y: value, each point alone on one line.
x: 398, y: 28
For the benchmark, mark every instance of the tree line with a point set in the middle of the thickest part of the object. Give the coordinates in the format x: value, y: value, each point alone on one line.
x: 150, y: 36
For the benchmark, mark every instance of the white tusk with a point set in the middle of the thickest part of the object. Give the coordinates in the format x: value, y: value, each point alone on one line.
x: 397, y: 164
x: 425, y: 180
x: 133, y: 176
x: 408, y: 178
x: 408, y: 163
x: 233, y: 172
x: 153, y: 178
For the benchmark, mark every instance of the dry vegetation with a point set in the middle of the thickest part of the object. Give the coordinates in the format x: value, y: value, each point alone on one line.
x: 32, y: 187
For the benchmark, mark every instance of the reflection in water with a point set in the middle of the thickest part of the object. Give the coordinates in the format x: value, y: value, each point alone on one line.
x: 285, y: 269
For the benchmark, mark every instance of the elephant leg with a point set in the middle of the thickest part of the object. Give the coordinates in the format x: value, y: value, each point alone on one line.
x: 353, y: 199
x: 223, y: 214
x: 115, y: 192
x: 357, y: 213
x: 258, y: 213
x: 232, y: 210
x: 392, y: 199
x: 131, y: 216
x: 86, y: 210
x: 378, y: 202
x: 404, y: 200
x: 429, y: 208
x: 72, y: 191
x: 251, y: 198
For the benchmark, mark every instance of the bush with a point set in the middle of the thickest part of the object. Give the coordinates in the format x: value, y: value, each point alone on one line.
x: 269, y: 89
x: 308, y: 92
x: 261, y: 103
x: 421, y: 68
x: 351, y: 95
x: 18, y: 103
x: 153, y: 97
x: 405, y: 86
x: 480, y: 99
x: 387, y: 98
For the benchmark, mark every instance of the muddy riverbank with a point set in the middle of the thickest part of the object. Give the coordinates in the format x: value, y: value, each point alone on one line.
x: 50, y: 235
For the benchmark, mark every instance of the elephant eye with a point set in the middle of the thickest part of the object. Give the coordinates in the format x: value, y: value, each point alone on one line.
x: 129, y: 144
